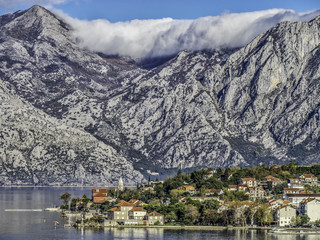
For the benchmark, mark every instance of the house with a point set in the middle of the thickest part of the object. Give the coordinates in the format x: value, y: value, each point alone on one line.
x: 153, y: 217
x: 200, y: 199
x: 209, y: 174
x: 188, y: 188
x: 285, y: 215
x: 212, y: 191
x: 295, y: 183
x: 308, y: 179
x: 99, y: 195
x: 270, y: 179
x: 136, y: 202
x: 242, y: 187
x: 295, y: 199
x: 146, y: 189
x: 310, y: 207
x: 137, y: 213
x: 256, y: 192
x: 274, y: 203
x: 125, y: 213
x: 250, y: 182
x: 233, y: 188
x: 114, y: 214
x: 291, y: 190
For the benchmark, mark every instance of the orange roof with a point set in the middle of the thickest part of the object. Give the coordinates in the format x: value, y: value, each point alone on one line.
x: 248, y: 179
x: 115, y: 209
x: 187, y: 187
x: 99, y: 195
x: 123, y: 203
x: 286, y: 202
x: 309, y: 176
x: 291, y: 189
x: 273, y: 200
x: 293, y: 179
x: 269, y: 177
x: 137, y: 209
x: 154, y: 214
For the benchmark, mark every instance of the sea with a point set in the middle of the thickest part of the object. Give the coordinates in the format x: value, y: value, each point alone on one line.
x: 26, y: 225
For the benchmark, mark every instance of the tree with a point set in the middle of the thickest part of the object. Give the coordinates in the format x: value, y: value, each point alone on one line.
x: 171, y: 216
x: 65, y: 197
x: 191, y: 213
x: 210, y: 217
x: 304, y: 219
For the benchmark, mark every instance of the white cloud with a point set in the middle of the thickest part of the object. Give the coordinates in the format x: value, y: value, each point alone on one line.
x: 151, y: 38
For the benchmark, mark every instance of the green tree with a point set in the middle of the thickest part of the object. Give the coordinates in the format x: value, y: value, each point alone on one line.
x: 171, y: 216
x: 211, y: 217
x: 65, y: 197
x: 191, y: 213
x: 304, y: 219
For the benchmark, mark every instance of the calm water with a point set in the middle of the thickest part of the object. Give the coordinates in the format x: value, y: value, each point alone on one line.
x: 39, y: 225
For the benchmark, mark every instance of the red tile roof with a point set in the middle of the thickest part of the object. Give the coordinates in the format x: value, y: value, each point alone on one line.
x: 154, y: 214
x: 137, y: 209
x: 123, y: 203
x: 115, y: 209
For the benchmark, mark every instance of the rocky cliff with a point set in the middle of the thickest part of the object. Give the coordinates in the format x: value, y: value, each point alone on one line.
x: 93, y: 118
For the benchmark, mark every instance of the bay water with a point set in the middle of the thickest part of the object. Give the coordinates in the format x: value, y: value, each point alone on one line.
x: 25, y: 225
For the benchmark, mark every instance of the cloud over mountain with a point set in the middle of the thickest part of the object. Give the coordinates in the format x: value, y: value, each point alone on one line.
x: 161, y: 37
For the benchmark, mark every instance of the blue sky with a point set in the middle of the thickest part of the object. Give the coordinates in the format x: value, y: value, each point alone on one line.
x: 124, y: 10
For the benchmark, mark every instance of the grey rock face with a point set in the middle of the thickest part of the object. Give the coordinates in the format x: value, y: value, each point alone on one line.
x: 257, y: 104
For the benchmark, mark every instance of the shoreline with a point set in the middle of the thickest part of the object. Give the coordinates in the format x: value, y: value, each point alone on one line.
x: 181, y: 227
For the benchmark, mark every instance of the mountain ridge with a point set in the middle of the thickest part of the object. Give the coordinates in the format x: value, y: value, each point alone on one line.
x: 218, y: 108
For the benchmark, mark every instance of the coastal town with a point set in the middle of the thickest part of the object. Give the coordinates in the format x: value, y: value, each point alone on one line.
x: 284, y: 196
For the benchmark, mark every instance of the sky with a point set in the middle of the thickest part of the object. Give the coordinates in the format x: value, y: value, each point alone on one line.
x: 153, y: 28
x: 125, y: 10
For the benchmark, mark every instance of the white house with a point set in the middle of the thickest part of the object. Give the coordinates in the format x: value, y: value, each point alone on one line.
x: 295, y: 199
x: 137, y: 213
x: 284, y: 215
x: 310, y: 207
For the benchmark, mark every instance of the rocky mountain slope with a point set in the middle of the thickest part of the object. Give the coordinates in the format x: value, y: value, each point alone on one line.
x: 257, y: 104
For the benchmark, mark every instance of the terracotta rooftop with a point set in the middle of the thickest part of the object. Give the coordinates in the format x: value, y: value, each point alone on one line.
x: 154, y: 214
x: 291, y: 189
x: 123, y: 203
x: 309, y: 176
x: 137, y: 209
x: 248, y: 179
x: 99, y: 195
x: 115, y: 209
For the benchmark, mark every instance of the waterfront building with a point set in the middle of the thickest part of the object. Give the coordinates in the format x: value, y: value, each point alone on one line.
x: 99, y: 195
x: 295, y: 199
x: 154, y: 217
x: 285, y: 215
x: 311, y: 208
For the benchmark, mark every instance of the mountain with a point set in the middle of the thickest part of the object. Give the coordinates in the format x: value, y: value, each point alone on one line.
x: 108, y: 117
